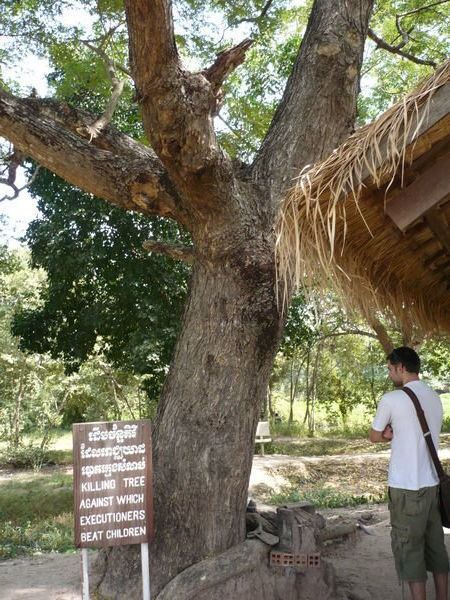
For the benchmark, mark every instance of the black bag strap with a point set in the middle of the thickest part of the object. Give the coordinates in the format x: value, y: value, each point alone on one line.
x: 426, y: 431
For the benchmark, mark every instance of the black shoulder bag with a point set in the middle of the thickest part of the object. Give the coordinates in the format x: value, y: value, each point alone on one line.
x: 444, y: 479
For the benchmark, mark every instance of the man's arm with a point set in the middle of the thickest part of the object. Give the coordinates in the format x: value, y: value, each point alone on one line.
x: 381, y: 436
x: 381, y: 430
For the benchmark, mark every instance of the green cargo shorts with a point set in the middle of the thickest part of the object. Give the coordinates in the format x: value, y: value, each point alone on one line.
x: 417, y: 536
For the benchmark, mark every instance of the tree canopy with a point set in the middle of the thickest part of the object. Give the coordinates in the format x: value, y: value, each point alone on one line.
x: 214, y: 148
x: 91, y: 293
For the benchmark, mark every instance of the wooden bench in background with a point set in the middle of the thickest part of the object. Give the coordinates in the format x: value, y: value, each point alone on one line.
x: 263, y: 435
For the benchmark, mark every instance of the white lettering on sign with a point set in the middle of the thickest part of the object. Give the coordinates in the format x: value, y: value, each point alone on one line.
x: 101, y: 519
x: 116, y: 452
x: 134, y: 481
x: 110, y: 468
x: 123, y: 533
x: 130, y: 499
x: 98, y: 486
x: 91, y: 536
x: 127, y: 432
x: 96, y: 502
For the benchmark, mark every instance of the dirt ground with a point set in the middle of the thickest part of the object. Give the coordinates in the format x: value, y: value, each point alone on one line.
x: 45, y: 577
x: 363, y: 563
x: 364, y: 566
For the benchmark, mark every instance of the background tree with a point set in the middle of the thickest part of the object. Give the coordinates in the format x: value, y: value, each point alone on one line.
x: 103, y: 288
x: 210, y: 402
x: 21, y: 375
x: 37, y: 395
x: 330, y: 358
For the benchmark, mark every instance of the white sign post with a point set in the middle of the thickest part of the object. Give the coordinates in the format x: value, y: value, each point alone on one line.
x: 145, y: 572
x: 85, y: 573
x: 113, y: 489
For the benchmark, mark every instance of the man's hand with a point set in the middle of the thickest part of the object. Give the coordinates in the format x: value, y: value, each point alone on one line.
x: 381, y: 436
x: 388, y: 433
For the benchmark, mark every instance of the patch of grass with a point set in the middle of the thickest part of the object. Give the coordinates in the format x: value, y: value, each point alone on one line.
x: 322, y: 446
x: 24, y: 457
x: 296, y: 429
x: 36, y: 515
x: 59, y: 457
x: 284, y: 428
x: 33, y: 457
x: 35, y: 537
x: 352, y: 432
x: 324, y: 498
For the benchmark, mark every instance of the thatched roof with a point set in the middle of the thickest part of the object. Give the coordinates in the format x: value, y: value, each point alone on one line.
x: 373, y: 219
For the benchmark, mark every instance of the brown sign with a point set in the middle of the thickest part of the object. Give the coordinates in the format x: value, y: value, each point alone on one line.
x: 112, y: 468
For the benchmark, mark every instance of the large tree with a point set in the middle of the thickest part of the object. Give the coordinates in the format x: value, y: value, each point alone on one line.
x: 207, y: 414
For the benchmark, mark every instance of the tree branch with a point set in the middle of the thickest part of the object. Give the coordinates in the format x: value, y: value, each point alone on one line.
x: 177, y: 106
x: 16, y: 189
x: 115, y: 167
x: 348, y: 332
x: 397, y: 50
x: 320, y: 95
x: 175, y: 251
x: 422, y: 8
x: 103, y: 40
x: 14, y: 161
x: 153, y: 52
x: 105, y: 57
x: 403, y: 34
x: 261, y: 15
x: 382, y: 334
x: 117, y: 89
x: 225, y: 63
x: 177, y: 109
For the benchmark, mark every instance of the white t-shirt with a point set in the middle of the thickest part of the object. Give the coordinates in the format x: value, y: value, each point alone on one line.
x: 410, y: 467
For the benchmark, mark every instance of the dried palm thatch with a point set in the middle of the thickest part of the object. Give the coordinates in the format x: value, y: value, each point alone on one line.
x: 332, y: 229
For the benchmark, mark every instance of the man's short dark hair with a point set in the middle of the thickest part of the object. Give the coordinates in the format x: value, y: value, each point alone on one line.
x: 407, y: 357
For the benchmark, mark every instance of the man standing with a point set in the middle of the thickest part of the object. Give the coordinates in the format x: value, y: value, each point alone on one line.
x: 417, y: 535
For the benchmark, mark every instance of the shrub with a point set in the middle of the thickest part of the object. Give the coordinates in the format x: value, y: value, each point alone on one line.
x: 25, y: 457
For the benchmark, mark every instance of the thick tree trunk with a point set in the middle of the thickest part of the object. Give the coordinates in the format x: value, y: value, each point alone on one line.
x: 210, y: 405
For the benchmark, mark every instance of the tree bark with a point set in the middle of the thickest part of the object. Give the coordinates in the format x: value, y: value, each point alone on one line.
x: 312, y: 119
x: 210, y: 428
x: 382, y: 335
x: 292, y: 391
x: 210, y: 404
x: 209, y: 407
x: 114, y: 167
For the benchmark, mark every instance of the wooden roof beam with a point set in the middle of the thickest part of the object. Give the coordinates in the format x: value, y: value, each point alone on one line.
x: 426, y: 192
x: 437, y: 223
